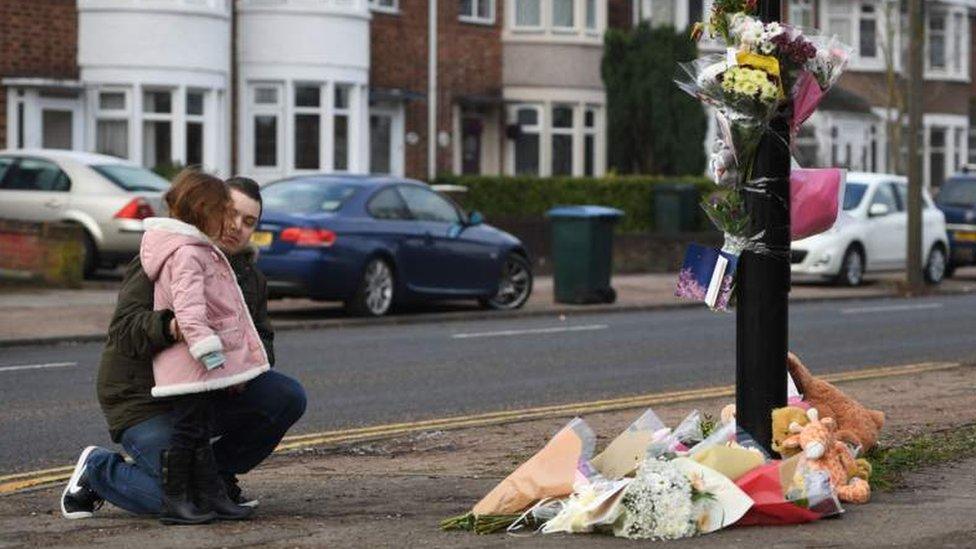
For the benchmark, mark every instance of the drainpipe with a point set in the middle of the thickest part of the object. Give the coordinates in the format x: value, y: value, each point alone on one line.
x: 432, y: 92
x: 233, y: 92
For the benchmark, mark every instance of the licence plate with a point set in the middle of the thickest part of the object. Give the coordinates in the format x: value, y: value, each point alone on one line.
x: 965, y: 236
x: 262, y: 239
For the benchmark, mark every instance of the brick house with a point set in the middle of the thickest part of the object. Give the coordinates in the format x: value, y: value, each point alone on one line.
x: 272, y: 89
x: 38, y: 46
x: 852, y: 126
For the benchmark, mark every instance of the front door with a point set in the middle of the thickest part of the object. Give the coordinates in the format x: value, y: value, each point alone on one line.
x: 471, y: 131
x: 386, y: 141
x: 59, y: 123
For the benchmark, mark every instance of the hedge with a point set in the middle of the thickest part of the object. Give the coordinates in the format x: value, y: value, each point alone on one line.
x: 532, y: 197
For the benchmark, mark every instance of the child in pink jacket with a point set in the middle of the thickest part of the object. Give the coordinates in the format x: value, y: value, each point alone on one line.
x: 220, y: 347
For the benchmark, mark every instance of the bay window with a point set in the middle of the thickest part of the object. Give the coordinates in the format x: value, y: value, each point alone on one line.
x: 561, y: 139
x: 562, y: 18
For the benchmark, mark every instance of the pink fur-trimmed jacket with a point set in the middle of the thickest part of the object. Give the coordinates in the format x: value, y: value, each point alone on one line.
x: 194, y: 279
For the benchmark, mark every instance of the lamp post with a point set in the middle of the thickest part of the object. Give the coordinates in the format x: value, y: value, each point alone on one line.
x: 763, y: 281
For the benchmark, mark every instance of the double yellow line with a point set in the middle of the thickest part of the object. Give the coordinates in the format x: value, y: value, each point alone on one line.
x: 22, y: 481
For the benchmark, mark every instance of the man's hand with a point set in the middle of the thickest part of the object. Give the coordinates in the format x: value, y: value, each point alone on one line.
x: 174, y: 331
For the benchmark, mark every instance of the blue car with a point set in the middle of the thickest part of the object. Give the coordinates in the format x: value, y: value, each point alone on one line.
x: 957, y: 200
x: 371, y: 242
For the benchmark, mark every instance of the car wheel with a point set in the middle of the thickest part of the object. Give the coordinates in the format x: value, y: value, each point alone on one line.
x: 936, y: 266
x: 375, y: 294
x: 515, y: 285
x: 90, y: 260
x: 852, y: 268
x: 950, y: 270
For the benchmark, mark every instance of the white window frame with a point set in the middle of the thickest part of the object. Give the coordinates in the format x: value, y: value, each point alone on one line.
x: 797, y: 9
x: 587, y: 5
x: 196, y: 119
x: 514, y: 25
x: 547, y: 31
x: 571, y: 131
x: 535, y: 129
x: 960, y: 147
x: 971, y: 146
x: 851, y: 13
x: 346, y: 111
x: 114, y: 115
x: 592, y: 131
x: 176, y: 144
x: 377, y: 6
x: 957, y: 47
x: 874, y: 14
x: 319, y: 111
x: 953, y: 124
x: 574, y: 9
x: 256, y: 109
x: 474, y: 18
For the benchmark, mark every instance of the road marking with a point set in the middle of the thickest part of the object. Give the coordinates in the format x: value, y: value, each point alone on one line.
x: 34, y: 479
x: 891, y: 308
x: 38, y: 366
x: 510, y: 333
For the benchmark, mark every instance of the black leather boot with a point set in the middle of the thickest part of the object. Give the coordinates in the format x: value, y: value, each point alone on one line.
x: 210, y: 489
x: 178, y: 506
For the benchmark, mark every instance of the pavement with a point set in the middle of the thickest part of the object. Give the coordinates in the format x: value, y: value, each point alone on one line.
x: 36, y: 315
x: 366, y: 375
x: 392, y: 491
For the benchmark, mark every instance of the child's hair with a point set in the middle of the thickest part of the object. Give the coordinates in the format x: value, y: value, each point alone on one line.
x: 199, y: 199
x: 248, y: 186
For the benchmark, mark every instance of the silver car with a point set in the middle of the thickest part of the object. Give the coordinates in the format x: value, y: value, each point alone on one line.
x: 106, y: 196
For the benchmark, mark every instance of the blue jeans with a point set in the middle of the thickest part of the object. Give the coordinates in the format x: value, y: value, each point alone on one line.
x: 250, y: 426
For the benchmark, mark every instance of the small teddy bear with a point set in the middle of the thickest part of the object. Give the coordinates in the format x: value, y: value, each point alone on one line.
x: 783, y: 420
x: 824, y: 452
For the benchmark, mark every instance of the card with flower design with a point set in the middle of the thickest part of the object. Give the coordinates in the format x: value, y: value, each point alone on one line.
x: 708, y: 275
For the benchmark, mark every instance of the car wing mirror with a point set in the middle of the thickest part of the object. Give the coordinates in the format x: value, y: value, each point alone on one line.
x: 475, y: 218
x: 879, y: 210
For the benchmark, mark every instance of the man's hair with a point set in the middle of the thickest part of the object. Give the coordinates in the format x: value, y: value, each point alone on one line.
x: 248, y: 186
x: 199, y: 199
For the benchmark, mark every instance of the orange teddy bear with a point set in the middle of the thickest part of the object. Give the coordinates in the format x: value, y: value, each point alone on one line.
x: 855, y: 423
x: 824, y: 452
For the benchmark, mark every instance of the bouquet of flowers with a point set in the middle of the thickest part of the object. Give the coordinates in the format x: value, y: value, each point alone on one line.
x: 767, y: 68
x: 659, y: 504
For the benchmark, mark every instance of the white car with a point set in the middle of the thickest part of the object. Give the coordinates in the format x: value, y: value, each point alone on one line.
x: 106, y: 196
x: 871, y: 234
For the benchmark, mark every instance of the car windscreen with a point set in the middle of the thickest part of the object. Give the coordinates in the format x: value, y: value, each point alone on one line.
x: 306, y: 196
x: 853, y: 195
x: 132, y: 178
x: 958, y: 192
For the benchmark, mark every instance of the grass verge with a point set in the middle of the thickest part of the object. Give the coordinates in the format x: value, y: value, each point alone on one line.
x: 890, y: 464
